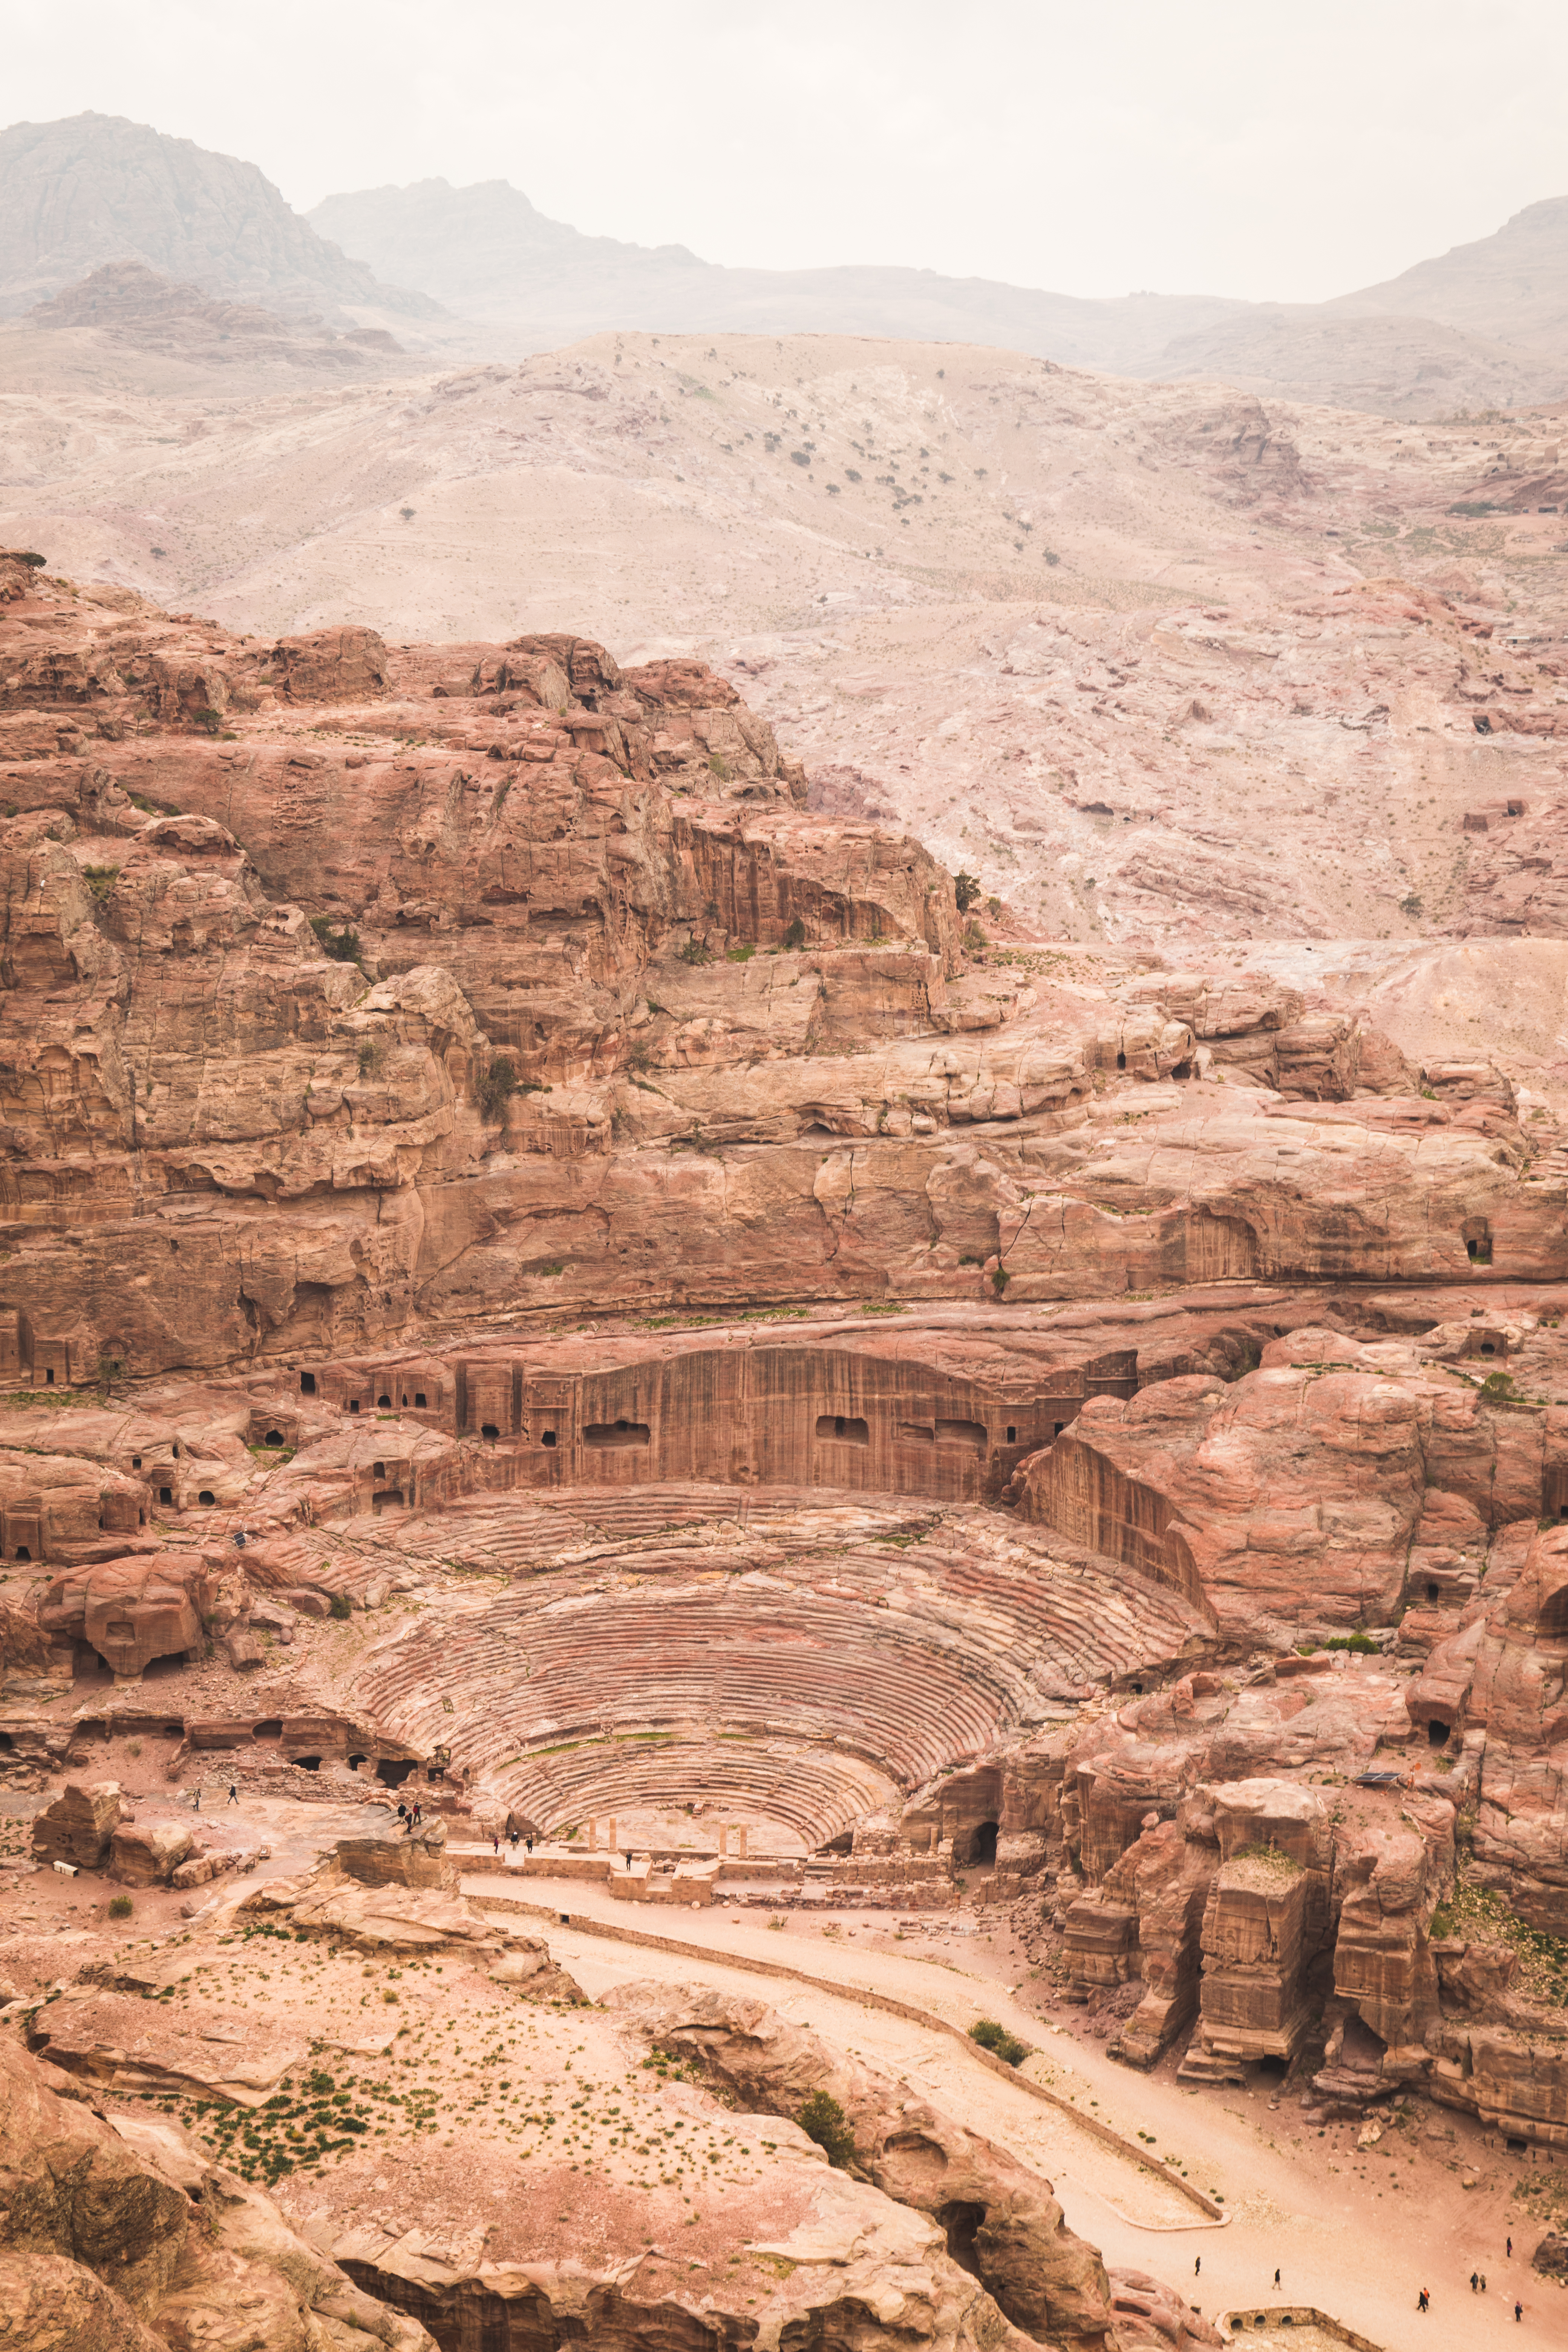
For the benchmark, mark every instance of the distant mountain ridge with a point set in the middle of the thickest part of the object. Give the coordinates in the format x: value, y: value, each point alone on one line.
x: 1484, y: 326
x: 482, y: 271
x: 97, y: 188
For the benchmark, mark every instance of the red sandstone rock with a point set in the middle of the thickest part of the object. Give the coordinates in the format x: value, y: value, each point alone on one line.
x: 1045, y: 2279
x: 150, y: 1853
x: 77, y: 1827
x: 133, y: 1611
x: 105, y: 2245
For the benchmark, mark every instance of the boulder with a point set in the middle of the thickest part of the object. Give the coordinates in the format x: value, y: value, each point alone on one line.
x: 79, y: 1826
x: 341, y: 665
x: 149, y: 1853
x: 133, y: 1609
x: 420, y: 1861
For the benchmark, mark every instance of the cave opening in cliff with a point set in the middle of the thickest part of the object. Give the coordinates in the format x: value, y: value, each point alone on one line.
x: 843, y: 1429
x: 1432, y: 1590
x: 961, y: 2224
x: 1437, y: 1733
x: 393, y: 1770
x: 1553, y: 1621
x: 982, y: 1844
x: 269, y: 1727
x: 307, y: 1384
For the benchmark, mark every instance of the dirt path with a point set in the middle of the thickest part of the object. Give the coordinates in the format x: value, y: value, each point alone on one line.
x: 1305, y: 2212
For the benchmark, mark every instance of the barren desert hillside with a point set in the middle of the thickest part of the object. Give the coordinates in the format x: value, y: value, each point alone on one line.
x: 1156, y: 663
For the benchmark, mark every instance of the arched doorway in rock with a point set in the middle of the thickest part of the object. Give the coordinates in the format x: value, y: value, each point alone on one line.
x: 982, y: 1843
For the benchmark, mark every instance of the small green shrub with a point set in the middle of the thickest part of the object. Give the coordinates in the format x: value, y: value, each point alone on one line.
x: 695, y: 952
x: 795, y: 937
x: 1000, y: 1280
x: 497, y: 1087
x: 100, y: 880
x: 974, y: 939
x: 339, y: 1606
x: 824, y: 2120
x: 998, y: 2040
x: 741, y: 954
x: 342, y: 946
x: 717, y: 767
x: 1361, y: 1643
x: 966, y: 890
x: 120, y: 1907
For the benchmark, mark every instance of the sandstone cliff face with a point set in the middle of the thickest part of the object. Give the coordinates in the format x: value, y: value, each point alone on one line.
x: 1331, y: 1486
x: 354, y: 990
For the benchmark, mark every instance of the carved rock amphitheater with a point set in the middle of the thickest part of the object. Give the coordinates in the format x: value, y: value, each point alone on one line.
x: 538, y: 1273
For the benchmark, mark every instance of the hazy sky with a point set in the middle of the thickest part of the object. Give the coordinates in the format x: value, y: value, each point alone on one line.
x: 1286, y: 148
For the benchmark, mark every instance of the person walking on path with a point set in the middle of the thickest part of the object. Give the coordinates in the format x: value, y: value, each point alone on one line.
x: 1422, y: 2300
x: 1276, y: 2278
x: 1475, y: 2281
x: 232, y: 1793
x: 1483, y: 2282
x: 1510, y: 2250
x: 197, y: 1806
x: 1197, y: 2265
x: 1518, y: 2311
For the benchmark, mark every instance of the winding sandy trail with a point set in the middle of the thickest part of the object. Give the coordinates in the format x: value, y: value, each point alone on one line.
x: 1291, y: 2207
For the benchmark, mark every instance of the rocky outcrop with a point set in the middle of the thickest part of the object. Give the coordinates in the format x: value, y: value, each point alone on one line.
x: 1309, y: 1494
x: 999, y: 2218
x: 80, y: 1824
x: 419, y: 1860
x: 129, y: 2237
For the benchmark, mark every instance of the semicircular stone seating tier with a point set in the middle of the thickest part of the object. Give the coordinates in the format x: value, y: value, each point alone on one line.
x: 800, y: 1668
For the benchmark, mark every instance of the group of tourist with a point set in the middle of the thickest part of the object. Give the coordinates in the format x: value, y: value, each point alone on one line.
x: 1478, y: 2286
